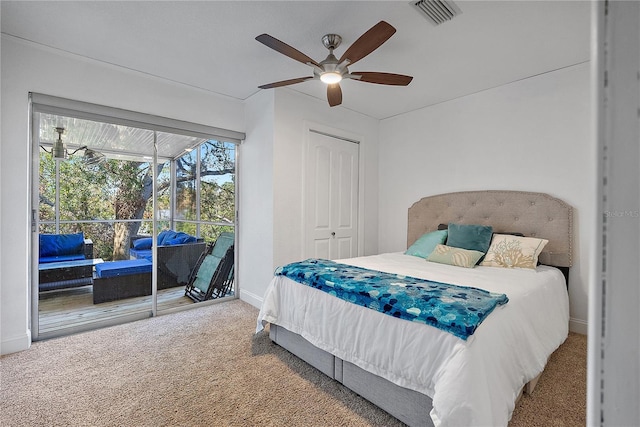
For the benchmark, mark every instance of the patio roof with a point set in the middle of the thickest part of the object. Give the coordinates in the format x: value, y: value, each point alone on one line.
x: 114, y: 141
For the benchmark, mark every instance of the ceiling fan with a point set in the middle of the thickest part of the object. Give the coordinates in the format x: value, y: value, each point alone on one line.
x: 332, y: 70
x: 59, y: 151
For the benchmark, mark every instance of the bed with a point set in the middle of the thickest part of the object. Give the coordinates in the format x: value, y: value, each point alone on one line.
x: 420, y: 374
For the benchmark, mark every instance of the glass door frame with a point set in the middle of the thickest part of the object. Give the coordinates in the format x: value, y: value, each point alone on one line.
x: 39, y: 103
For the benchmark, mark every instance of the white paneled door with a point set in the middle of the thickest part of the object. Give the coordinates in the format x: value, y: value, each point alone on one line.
x: 331, y: 197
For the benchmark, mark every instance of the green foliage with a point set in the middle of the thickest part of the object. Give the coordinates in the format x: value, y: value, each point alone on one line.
x: 211, y: 232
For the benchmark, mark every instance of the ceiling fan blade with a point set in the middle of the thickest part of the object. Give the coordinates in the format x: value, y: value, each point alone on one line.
x: 285, y: 49
x: 285, y: 82
x: 382, y: 78
x: 334, y: 94
x: 368, y: 42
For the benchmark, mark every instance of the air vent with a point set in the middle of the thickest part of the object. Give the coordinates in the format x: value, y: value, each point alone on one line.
x: 437, y: 11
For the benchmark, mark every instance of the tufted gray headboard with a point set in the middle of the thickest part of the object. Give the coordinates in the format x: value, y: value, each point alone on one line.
x: 532, y: 214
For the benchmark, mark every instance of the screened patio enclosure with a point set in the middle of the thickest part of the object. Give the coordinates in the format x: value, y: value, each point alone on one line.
x: 148, y: 196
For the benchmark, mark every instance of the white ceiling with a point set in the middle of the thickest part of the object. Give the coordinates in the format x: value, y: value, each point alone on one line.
x: 211, y: 45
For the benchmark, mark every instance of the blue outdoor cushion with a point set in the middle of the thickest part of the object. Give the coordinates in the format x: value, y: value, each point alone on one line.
x: 60, y: 258
x: 161, y: 236
x: 165, y: 235
x: 141, y: 253
x: 123, y: 268
x: 61, y: 244
x: 179, y: 239
x: 144, y: 243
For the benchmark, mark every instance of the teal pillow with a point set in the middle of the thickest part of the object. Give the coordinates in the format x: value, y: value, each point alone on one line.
x: 427, y: 243
x: 455, y: 256
x: 470, y: 236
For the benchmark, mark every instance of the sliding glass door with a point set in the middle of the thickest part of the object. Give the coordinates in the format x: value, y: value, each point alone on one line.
x: 127, y: 220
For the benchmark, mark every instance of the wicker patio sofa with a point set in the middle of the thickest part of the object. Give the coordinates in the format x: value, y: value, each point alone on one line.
x: 178, y: 254
x: 59, y: 256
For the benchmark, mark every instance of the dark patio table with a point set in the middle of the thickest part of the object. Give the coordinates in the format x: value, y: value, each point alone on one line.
x: 66, y: 274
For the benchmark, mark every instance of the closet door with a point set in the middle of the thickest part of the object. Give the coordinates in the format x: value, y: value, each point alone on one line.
x: 331, y: 197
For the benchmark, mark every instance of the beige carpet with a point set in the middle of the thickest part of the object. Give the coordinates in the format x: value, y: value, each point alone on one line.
x: 205, y: 367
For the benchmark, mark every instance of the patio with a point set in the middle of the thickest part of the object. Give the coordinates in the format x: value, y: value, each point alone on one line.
x: 74, y: 308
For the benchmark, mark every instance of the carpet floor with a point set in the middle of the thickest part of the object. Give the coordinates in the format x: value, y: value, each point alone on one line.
x: 205, y: 367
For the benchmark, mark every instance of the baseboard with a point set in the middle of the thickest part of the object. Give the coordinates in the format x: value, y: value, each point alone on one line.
x: 579, y: 326
x: 16, y: 344
x: 251, y: 298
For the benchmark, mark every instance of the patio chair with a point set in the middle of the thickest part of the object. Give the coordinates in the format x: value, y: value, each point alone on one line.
x: 213, y: 274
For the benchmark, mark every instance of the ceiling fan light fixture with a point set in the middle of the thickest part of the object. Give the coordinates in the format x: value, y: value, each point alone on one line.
x: 59, y: 151
x: 331, y: 77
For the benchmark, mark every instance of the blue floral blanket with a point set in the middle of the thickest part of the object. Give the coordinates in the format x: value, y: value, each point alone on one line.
x: 458, y: 310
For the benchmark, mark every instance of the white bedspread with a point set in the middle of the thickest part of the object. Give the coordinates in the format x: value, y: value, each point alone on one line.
x: 472, y: 383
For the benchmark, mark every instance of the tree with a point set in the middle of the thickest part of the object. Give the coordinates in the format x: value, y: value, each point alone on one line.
x: 133, y: 189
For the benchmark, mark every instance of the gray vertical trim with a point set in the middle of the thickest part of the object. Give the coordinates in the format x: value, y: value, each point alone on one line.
x: 595, y: 342
x: 57, y: 209
x: 198, y: 185
x: 173, y: 194
x: 616, y: 289
x: 236, y: 223
x: 154, y: 232
x: 34, y: 208
x: 594, y: 362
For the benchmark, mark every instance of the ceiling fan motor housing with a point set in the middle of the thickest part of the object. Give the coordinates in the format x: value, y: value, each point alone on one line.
x: 331, y: 41
x: 331, y: 64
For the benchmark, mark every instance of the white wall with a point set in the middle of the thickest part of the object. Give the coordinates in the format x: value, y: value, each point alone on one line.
x: 530, y: 135
x: 255, y: 204
x: 30, y: 68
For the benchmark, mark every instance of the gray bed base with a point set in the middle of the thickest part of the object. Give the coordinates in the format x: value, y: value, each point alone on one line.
x: 533, y: 214
x: 409, y: 406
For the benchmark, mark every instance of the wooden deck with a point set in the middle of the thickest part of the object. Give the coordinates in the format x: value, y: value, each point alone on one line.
x: 74, y: 307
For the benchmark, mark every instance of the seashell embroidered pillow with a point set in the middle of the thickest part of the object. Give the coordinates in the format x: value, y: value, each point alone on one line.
x: 509, y: 251
x: 444, y: 254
